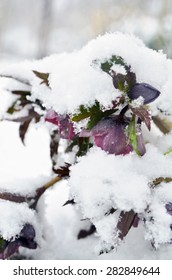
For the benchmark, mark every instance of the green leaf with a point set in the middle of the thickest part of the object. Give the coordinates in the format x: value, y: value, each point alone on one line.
x: 83, y: 114
x: 106, y: 66
x: 168, y: 152
x: 122, y: 82
x: 96, y: 115
x: 132, y: 135
x: 82, y: 143
x: 43, y: 76
x: 84, y: 146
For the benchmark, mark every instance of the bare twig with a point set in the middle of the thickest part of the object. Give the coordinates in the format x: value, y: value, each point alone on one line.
x: 32, y: 199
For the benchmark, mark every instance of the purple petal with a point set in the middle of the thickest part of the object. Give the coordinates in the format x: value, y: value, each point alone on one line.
x: 52, y: 117
x: 168, y: 207
x: 144, y: 90
x: 109, y: 135
x: 66, y: 129
x: 115, y: 142
x: 28, y: 232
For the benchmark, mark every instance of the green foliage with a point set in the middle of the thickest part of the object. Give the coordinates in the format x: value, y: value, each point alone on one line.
x: 106, y: 66
x: 94, y: 113
x: 132, y: 135
x: 123, y: 82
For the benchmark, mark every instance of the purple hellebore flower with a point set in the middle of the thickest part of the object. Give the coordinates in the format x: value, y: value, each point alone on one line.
x: 66, y: 129
x: 144, y: 90
x: 109, y: 135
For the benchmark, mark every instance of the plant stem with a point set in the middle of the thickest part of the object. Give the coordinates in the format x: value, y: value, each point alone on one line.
x: 20, y: 199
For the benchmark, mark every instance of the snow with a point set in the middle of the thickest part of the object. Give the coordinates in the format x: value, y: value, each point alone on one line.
x: 62, y: 224
x: 164, y: 102
x: 76, y: 79
x: 102, y: 189
x: 123, y: 183
x: 13, y: 217
x: 29, y: 166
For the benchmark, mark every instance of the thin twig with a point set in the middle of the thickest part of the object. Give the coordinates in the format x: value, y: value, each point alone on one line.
x: 20, y: 199
x: 42, y: 189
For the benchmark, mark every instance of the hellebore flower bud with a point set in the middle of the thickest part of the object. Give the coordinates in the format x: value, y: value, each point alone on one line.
x: 144, y: 90
x: 109, y: 134
x: 66, y: 129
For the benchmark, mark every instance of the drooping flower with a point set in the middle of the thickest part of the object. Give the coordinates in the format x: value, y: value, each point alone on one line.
x: 66, y: 129
x: 109, y: 134
x: 146, y: 91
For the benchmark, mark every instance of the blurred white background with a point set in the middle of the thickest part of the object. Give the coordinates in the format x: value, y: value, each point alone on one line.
x: 33, y: 29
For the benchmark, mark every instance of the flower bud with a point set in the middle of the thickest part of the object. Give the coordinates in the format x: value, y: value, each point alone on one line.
x: 109, y: 134
x: 66, y: 130
x: 144, y: 90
